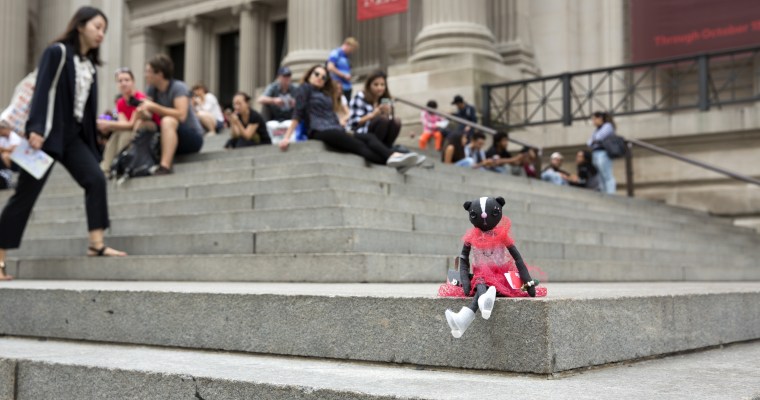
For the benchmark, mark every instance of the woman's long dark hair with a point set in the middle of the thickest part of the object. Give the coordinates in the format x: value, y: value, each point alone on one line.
x: 368, y: 96
x: 606, y: 117
x: 71, y: 35
x: 454, y: 139
x: 329, y: 88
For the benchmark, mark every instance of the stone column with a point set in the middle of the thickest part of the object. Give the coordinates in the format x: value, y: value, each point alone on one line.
x: 509, y: 23
x: 253, y: 64
x: 195, y: 49
x: 143, y: 44
x: 248, y: 48
x: 453, y: 27
x: 314, y: 28
x: 13, y: 41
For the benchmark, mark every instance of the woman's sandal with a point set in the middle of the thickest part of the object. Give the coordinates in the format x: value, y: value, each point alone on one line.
x: 5, y: 276
x: 102, y: 252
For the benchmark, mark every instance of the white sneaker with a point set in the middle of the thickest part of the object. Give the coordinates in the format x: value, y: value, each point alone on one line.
x: 402, y: 160
x: 420, y: 161
x: 459, y: 322
x: 486, y: 302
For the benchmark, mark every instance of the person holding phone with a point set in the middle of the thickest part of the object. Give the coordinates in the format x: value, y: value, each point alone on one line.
x: 372, y: 110
x: 121, y: 131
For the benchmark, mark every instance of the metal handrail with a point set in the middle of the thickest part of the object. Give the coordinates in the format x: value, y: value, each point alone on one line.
x: 463, y: 121
x: 677, y: 156
x: 700, y: 81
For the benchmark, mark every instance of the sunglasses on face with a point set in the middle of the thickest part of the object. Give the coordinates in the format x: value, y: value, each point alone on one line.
x: 317, y: 75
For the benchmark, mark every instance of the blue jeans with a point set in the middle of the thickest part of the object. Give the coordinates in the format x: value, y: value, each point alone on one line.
x: 467, y: 162
x: 603, y: 164
x: 553, y: 176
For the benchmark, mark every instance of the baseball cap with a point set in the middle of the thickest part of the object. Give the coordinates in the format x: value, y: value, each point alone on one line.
x: 457, y: 99
x: 284, y: 71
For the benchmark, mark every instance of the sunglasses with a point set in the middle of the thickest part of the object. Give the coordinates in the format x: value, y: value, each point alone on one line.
x: 323, y: 77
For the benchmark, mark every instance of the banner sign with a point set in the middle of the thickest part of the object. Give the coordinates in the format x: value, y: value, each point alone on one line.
x: 669, y: 28
x: 369, y: 9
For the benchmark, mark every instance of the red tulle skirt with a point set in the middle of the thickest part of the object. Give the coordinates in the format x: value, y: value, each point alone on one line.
x: 492, y: 275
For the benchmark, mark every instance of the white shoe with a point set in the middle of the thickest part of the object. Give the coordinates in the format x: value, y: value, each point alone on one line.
x: 486, y: 302
x: 459, y: 322
x: 402, y: 160
x: 420, y: 161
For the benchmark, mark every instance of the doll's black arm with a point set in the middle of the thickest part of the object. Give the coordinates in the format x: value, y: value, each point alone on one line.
x: 464, y: 268
x: 528, y: 283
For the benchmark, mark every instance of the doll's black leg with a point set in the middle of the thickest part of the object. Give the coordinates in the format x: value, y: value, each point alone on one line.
x: 528, y: 282
x: 480, y: 289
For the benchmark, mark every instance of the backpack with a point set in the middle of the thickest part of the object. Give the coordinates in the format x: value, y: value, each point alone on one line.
x: 615, y: 146
x: 140, y: 158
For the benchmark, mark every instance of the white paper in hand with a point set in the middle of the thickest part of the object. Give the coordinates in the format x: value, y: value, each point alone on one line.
x: 35, y: 162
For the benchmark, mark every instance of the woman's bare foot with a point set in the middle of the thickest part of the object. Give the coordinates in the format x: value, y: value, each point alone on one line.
x: 104, y: 251
x: 3, y: 275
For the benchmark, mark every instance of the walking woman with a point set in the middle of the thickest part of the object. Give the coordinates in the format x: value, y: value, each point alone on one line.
x: 62, y: 123
x: 316, y: 106
x: 605, y: 127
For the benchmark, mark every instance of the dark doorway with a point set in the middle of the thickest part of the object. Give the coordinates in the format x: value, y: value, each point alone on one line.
x: 229, y: 54
x: 177, y: 54
x: 280, y: 44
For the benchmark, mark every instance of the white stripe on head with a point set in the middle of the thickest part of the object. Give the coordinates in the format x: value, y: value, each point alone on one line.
x: 483, y: 204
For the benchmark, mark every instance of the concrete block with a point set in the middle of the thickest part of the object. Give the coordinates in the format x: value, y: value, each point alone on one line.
x: 578, y: 325
x: 7, y: 379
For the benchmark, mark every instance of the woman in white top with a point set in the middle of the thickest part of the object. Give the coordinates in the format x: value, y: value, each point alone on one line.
x: 208, y: 110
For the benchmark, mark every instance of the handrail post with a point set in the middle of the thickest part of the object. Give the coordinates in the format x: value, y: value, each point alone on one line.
x: 629, y: 169
x: 704, y: 78
x: 486, y: 105
x: 567, y: 110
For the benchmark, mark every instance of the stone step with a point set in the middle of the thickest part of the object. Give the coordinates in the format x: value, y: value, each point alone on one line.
x: 268, y: 185
x: 347, y: 267
x: 33, y: 369
x: 342, y: 217
x: 226, y: 221
x: 577, y: 326
x: 519, y: 213
x: 326, y: 268
x: 380, y: 173
x: 362, y: 240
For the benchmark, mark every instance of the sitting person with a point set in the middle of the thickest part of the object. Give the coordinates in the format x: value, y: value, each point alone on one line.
x: 586, y: 176
x: 316, y: 105
x: 474, y: 155
x: 247, y: 127
x: 181, y: 133
x: 502, y: 159
x: 122, y: 130
x: 277, y: 104
x: 554, y: 173
x: 453, y: 151
x: 372, y: 111
x: 8, y: 141
x: 207, y: 109
x: 430, y: 127
x: 527, y: 163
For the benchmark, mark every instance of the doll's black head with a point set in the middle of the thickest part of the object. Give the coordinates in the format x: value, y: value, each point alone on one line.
x: 485, y: 213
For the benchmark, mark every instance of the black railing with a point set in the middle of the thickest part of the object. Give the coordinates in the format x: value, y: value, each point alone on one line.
x: 695, y: 82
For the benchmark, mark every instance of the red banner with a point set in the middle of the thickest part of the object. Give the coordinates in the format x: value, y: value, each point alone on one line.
x: 369, y: 9
x: 669, y: 28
